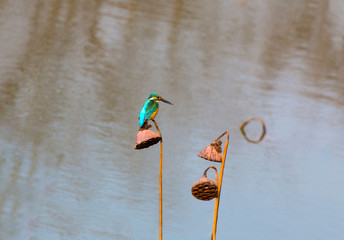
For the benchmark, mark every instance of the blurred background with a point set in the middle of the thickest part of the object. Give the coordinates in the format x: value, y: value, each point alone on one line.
x: 74, y: 75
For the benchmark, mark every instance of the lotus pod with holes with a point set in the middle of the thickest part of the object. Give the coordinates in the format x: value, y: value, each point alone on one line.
x: 146, y: 138
x: 205, y: 189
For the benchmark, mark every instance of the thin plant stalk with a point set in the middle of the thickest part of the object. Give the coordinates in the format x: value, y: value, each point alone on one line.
x: 216, y: 174
x: 160, y: 183
x: 217, y: 199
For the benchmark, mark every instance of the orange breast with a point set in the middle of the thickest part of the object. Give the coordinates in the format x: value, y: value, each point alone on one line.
x: 154, y: 113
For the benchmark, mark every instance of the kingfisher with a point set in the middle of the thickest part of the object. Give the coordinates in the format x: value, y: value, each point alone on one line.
x: 150, y: 108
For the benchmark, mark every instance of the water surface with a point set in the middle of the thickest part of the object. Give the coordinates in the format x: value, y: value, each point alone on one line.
x: 74, y: 75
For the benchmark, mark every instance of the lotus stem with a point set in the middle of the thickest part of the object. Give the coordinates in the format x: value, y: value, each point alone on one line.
x: 160, y: 182
x: 217, y: 199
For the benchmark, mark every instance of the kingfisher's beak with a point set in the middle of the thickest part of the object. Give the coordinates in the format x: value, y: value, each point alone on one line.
x: 165, y: 101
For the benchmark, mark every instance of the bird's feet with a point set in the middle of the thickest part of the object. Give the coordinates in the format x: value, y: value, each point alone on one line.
x: 145, y: 126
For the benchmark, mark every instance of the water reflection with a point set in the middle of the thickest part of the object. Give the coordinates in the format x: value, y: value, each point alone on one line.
x: 74, y: 76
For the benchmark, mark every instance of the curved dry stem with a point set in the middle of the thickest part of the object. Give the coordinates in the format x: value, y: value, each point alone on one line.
x: 242, y: 126
x: 221, y: 135
x: 216, y: 174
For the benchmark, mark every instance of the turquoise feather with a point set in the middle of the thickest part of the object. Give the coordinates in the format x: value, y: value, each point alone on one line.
x: 147, y: 110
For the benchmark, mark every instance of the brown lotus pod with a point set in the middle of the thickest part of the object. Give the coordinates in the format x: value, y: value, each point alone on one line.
x: 146, y: 138
x: 212, y: 152
x: 205, y: 189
